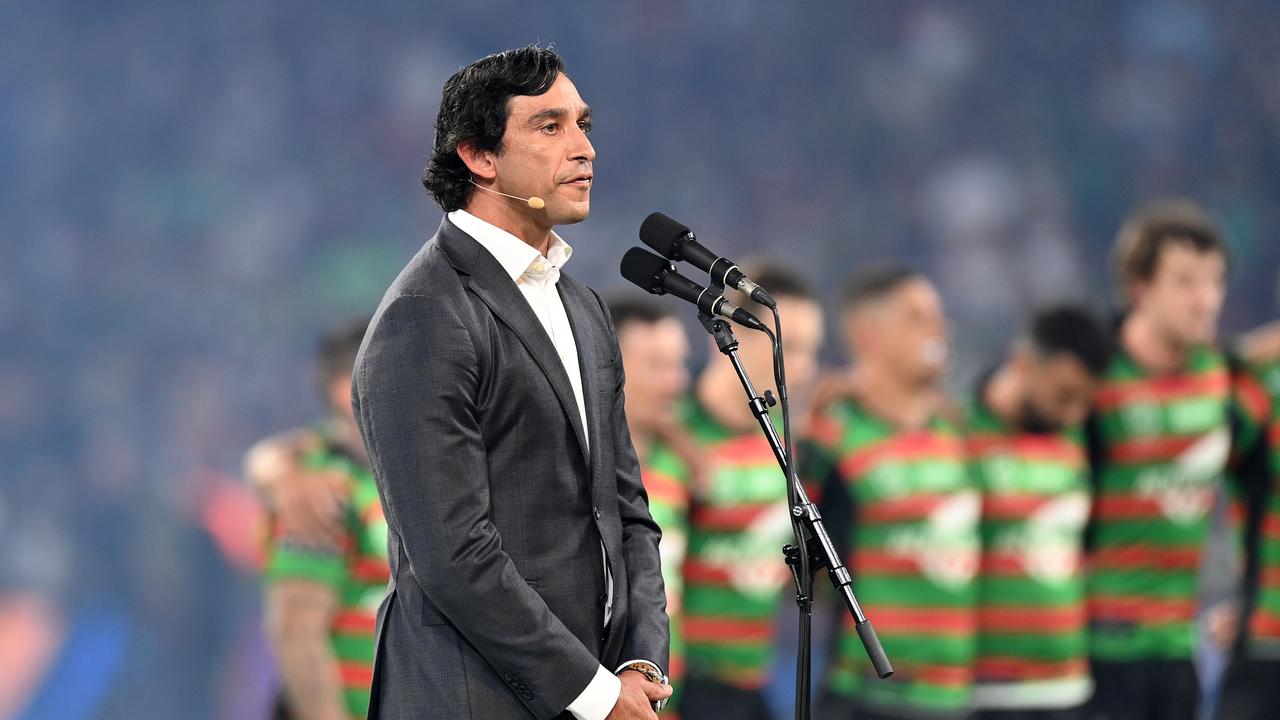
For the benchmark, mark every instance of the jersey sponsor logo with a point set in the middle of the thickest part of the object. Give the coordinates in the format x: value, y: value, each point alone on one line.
x: 891, y: 478
x: 733, y: 483
x: 1004, y: 474
x: 1142, y: 417
x: 1048, y: 543
x: 945, y: 546
x: 888, y: 479
x: 1195, y: 415
x: 753, y: 558
x: 1184, y: 489
x: 1001, y: 473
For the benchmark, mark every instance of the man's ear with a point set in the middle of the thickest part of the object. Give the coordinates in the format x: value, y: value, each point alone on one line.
x: 1134, y: 290
x: 479, y: 161
x: 853, y: 327
x: 1022, y: 358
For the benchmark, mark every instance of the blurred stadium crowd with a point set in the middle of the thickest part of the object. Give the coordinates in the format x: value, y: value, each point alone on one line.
x: 194, y: 192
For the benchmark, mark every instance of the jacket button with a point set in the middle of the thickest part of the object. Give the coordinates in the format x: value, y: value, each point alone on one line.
x: 596, y: 511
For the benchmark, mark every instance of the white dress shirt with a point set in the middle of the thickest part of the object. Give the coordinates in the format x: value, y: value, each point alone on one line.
x: 536, y: 277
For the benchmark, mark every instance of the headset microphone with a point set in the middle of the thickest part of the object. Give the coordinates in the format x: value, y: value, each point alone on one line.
x: 534, y: 202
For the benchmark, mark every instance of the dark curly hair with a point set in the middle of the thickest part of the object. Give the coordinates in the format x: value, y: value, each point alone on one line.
x: 473, y: 106
x: 1073, y: 330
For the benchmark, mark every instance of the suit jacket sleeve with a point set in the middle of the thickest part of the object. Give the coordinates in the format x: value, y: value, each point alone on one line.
x: 416, y: 399
x: 648, y: 635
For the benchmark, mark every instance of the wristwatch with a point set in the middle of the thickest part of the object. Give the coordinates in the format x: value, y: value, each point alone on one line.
x: 652, y: 672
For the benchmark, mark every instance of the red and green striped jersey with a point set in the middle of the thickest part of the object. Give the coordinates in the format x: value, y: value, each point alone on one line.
x: 911, y: 509
x: 1032, y: 641
x: 1160, y: 445
x: 734, y: 572
x: 666, y: 479
x: 1258, y: 397
x: 357, y: 569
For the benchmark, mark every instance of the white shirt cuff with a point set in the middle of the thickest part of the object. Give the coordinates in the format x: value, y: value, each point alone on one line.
x: 597, y: 701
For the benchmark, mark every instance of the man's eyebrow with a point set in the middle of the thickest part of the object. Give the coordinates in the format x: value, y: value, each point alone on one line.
x: 547, y: 114
x: 557, y: 112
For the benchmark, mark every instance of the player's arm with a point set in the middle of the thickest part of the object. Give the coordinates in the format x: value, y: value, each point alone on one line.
x: 1096, y: 456
x: 1251, y: 486
x: 299, y: 615
x: 302, y: 582
x: 1262, y: 344
x: 308, y: 504
x: 817, y: 460
x: 818, y: 467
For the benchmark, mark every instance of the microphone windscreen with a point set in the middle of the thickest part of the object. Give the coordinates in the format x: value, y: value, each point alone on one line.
x: 661, y: 233
x: 644, y: 269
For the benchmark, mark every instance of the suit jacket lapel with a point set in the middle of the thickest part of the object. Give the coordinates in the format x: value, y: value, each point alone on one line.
x: 574, y: 304
x: 492, y: 284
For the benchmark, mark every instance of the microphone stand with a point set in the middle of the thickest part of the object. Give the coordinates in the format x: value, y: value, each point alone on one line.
x: 810, y: 531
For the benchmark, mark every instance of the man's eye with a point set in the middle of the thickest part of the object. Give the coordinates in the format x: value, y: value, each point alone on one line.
x: 585, y: 126
x: 549, y: 128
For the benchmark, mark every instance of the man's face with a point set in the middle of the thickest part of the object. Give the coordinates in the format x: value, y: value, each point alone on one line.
x: 905, y: 332
x: 801, y: 341
x: 340, y: 398
x: 545, y: 152
x: 653, y: 357
x: 1184, y: 295
x: 1058, y: 390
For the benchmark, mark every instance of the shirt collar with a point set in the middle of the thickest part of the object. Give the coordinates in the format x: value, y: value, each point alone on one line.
x: 514, y: 255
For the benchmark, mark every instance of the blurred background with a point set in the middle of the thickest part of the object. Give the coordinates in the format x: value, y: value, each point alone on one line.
x: 191, y: 192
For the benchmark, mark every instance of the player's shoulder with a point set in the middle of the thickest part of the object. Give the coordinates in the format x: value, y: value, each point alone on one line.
x: 951, y: 415
x: 834, y: 394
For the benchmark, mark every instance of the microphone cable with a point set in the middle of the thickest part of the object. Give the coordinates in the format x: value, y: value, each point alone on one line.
x: 804, y: 573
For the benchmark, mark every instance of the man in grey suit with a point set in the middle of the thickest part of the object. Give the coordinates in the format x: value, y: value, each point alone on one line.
x: 525, y: 577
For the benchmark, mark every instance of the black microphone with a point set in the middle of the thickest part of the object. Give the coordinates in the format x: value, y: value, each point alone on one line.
x: 658, y: 276
x: 676, y: 241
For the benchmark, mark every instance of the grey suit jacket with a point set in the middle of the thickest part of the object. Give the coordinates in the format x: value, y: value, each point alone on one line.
x: 495, y: 507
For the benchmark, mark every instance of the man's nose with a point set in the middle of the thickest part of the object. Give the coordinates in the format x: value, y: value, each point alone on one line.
x: 583, y: 150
